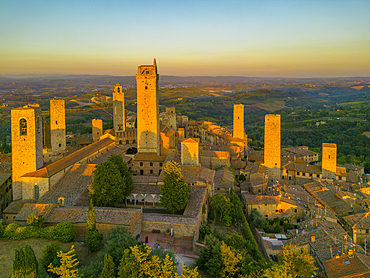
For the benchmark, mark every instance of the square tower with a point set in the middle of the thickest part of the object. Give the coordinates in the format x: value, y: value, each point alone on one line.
x: 238, y: 124
x: 47, y: 138
x: 272, y: 149
x: 27, y: 156
x: 147, y: 109
x: 97, y: 129
x: 58, y: 127
x: 190, y: 151
x: 171, y: 115
x: 329, y: 160
x: 118, y: 109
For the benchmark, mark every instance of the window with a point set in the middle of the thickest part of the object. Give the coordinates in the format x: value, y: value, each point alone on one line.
x: 141, y: 164
x: 37, y: 192
x: 118, y: 89
x: 146, y: 87
x: 56, y: 122
x: 127, y: 141
x: 151, y: 163
x: 161, y: 164
x: 141, y: 172
x: 133, y: 141
x: 23, y: 126
x: 120, y: 142
x: 38, y: 125
x: 151, y: 171
x: 297, y: 173
x: 60, y: 145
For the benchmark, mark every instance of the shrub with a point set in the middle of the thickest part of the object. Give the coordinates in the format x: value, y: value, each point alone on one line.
x: 65, y: 232
x: 93, y: 238
x: 9, y: 230
x: 50, y: 256
x: 35, y: 220
x: 2, y: 228
x: 204, y: 231
x: 20, y: 233
x: 211, y: 215
x: 47, y: 232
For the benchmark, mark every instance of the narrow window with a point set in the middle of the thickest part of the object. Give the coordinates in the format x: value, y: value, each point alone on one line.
x: 146, y: 87
x: 118, y: 90
x: 37, y: 192
x: 23, y: 126
x: 56, y: 122
x: 60, y: 145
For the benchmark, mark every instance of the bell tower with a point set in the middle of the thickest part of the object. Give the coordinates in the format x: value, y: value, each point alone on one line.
x: 118, y: 109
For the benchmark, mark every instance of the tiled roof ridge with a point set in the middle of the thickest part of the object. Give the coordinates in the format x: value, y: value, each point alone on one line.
x: 366, y: 214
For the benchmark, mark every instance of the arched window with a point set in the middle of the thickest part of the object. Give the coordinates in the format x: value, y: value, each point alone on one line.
x: 118, y: 89
x: 23, y: 126
x: 37, y: 192
x: 127, y: 142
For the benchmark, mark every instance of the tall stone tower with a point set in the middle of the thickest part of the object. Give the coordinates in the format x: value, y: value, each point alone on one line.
x: 272, y: 150
x: 57, y: 128
x: 97, y: 129
x: 47, y: 136
x: 171, y: 115
x: 147, y: 109
x: 329, y: 160
x: 27, y: 156
x: 190, y: 151
x: 118, y: 109
x: 238, y: 124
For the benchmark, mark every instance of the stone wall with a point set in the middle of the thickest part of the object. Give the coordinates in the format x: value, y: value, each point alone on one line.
x: 329, y: 160
x: 238, y: 124
x: 97, y: 129
x: 57, y: 126
x: 147, y: 109
x: 118, y: 109
x: 190, y: 151
x: 27, y: 145
x: 272, y: 144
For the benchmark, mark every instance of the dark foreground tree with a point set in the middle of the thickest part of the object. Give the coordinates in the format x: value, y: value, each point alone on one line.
x: 25, y: 264
x: 108, y: 270
x: 175, y: 192
x: 111, y: 184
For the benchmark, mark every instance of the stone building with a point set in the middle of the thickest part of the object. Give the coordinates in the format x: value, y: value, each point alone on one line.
x: 301, y: 152
x: 97, y: 129
x: 168, y: 140
x: 238, y: 124
x: 147, y: 164
x: 190, y: 151
x: 148, y: 109
x: 6, y: 191
x: 118, y: 109
x: 27, y: 147
x: 329, y: 160
x: 272, y: 149
x: 57, y: 128
x: 171, y: 115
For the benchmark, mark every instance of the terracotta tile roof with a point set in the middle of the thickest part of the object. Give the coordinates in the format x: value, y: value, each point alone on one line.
x: 73, y: 184
x: 4, y: 177
x: 144, y: 179
x: 258, y: 199
x: 190, y: 140
x: 120, y: 216
x: 300, y: 167
x: 224, y: 178
x: 35, y: 209
x: 303, y: 151
x: 70, y: 159
x: 358, y: 220
x: 345, y: 266
x: 16, y: 206
x: 168, y: 131
x: 217, y: 154
x: 149, y: 157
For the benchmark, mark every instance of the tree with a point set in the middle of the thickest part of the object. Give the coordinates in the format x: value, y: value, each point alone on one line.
x: 230, y: 262
x: 242, y: 177
x: 298, y: 261
x: 91, y: 219
x: 93, y: 237
x: 68, y: 265
x: 137, y: 262
x: 108, y: 270
x: 175, y: 192
x: 111, y: 184
x: 35, y: 220
x: 189, y: 273
x: 50, y: 256
x: 25, y: 264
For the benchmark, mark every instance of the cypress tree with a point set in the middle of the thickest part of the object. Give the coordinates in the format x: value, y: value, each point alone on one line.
x: 108, y: 270
x: 91, y: 219
x: 175, y: 192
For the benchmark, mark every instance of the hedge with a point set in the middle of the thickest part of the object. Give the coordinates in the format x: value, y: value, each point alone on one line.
x: 65, y: 232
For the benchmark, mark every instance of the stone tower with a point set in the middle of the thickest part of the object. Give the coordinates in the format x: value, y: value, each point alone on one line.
x: 57, y: 128
x: 47, y: 138
x: 27, y: 156
x: 147, y: 109
x: 171, y: 115
x: 272, y: 150
x: 118, y: 109
x: 238, y: 124
x: 329, y: 160
x: 97, y: 129
x: 190, y: 151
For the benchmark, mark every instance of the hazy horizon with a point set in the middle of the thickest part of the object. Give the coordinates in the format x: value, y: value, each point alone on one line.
x: 282, y: 39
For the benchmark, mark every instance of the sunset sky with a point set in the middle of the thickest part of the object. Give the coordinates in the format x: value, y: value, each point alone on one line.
x: 311, y: 38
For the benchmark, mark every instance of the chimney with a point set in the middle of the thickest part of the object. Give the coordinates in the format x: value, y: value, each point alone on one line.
x: 312, y: 238
x: 350, y: 253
